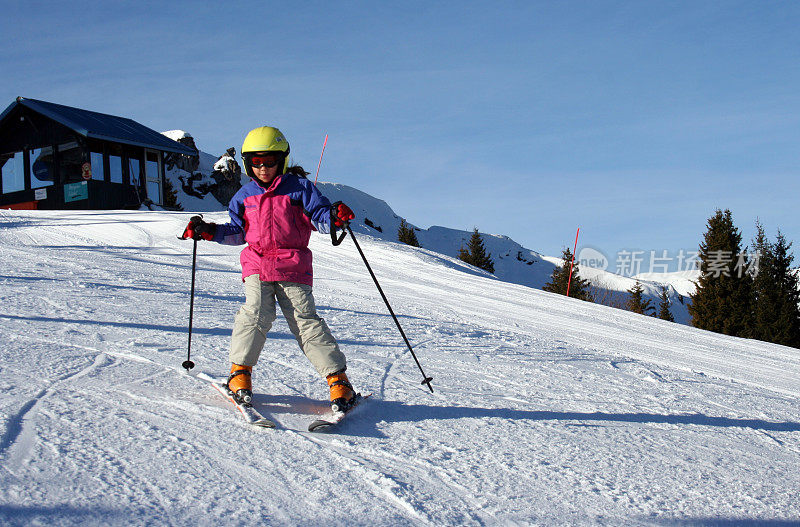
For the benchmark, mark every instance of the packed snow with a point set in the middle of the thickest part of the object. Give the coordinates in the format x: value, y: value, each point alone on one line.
x: 546, y: 410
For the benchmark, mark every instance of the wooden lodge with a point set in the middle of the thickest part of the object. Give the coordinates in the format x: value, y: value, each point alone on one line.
x: 58, y: 157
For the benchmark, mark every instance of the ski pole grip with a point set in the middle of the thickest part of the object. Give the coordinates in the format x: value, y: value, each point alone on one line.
x: 194, y: 221
x: 337, y: 241
x: 334, y: 218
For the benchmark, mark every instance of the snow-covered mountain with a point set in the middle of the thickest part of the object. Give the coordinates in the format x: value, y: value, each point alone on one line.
x: 513, y: 262
x: 546, y: 410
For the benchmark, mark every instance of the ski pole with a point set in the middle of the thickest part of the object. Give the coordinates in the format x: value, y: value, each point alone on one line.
x: 426, y: 380
x: 188, y: 364
x: 194, y: 220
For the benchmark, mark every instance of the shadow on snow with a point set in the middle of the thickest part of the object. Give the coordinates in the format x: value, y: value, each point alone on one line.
x: 35, y: 514
x: 377, y: 410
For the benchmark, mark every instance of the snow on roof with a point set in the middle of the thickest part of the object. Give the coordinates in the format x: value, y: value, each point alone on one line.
x: 176, y: 134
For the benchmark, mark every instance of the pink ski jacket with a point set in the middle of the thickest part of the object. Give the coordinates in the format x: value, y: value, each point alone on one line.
x: 276, y: 224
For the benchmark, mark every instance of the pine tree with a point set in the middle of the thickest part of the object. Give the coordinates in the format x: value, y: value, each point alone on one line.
x: 475, y: 253
x: 559, y: 280
x: 776, y: 315
x: 170, y: 196
x: 663, y: 306
x: 723, y: 299
x: 407, y: 235
x: 764, y: 290
x: 788, y: 328
x: 637, y: 303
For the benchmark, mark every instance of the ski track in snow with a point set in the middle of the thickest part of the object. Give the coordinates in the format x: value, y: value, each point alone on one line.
x: 546, y: 410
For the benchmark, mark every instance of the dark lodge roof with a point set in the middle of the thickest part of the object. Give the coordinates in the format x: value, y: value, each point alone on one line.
x: 102, y: 126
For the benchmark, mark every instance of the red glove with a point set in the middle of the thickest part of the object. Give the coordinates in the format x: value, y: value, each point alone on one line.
x: 342, y: 213
x: 199, y: 229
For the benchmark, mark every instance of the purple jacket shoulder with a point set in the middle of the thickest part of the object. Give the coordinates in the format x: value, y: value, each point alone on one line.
x: 299, y: 190
x: 276, y: 224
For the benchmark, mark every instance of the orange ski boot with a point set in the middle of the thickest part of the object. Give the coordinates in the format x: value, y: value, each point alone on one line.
x: 342, y: 393
x: 240, y: 385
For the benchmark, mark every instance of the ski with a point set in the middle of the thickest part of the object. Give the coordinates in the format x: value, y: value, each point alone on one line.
x: 334, y: 418
x: 250, y: 414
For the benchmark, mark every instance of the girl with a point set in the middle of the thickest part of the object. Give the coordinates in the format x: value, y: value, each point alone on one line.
x: 275, y: 214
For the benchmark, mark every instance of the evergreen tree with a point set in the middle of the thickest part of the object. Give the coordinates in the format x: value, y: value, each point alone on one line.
x: 407, y: 235
x: 764, y: 290
x: 475, y: 253
x: 788, y: 327
x: 637, y: 303
x: 170, y: 196
x: 723, y: 299
x: 559, y: 280
x: 663, y: 306
x: 776, y: 315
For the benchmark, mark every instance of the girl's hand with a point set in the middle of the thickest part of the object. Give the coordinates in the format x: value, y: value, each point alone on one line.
x: 342, y: 213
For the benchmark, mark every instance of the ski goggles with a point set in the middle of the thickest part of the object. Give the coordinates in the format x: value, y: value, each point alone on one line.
x: 264, y: 160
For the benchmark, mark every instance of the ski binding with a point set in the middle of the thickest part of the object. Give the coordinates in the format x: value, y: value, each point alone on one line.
x: 333, y: 418
x: 250, y: 414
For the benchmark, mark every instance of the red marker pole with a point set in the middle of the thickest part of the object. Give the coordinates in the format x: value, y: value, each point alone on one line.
x: 569, y: 282
x: 320, y: 159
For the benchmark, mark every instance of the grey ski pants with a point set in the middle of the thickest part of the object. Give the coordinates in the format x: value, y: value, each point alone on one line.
x: 254, y: 320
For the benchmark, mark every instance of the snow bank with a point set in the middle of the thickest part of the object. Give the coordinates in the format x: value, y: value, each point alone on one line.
x: 546, y: 410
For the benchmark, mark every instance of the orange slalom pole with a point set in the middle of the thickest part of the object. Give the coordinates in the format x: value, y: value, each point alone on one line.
x: 320, y: 159
x: 569, y: 282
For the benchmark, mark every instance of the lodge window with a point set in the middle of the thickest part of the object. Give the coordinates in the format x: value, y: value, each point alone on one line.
x: 70, y: 161
x: 153, y: 175
x: 98, y: 171
x: 13, y: 169
x: 42, y: 167
x: 115, y: 163
x: 135, y: 166
x: 134, y: 171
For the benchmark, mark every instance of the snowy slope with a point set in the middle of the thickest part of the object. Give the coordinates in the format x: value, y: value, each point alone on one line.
x: 547, y: 410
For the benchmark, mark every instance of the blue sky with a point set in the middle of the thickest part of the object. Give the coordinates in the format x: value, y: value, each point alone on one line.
x: 632, y: 120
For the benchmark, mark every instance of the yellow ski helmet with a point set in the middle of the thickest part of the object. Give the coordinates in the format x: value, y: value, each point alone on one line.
x: 265, y: 139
